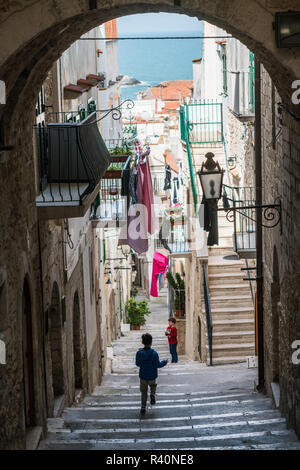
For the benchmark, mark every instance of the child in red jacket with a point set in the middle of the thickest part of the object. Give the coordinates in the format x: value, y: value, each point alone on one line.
x: 171, y: 333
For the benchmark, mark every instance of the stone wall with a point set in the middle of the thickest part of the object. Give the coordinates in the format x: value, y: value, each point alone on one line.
x: 281, y: 176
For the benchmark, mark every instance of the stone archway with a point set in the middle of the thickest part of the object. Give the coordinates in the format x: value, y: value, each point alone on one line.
x: 275, y: 298
x: 78, y: 376
x: 48, y: 29
x: 55, y: 337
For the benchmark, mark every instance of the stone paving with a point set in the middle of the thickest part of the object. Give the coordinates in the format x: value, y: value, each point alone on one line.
x: 198, y: 407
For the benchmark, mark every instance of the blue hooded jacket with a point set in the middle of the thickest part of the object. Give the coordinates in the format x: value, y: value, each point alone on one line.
x: 148, y: 362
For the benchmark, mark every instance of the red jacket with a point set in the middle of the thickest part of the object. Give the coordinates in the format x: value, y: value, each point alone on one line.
x: 172, y: 337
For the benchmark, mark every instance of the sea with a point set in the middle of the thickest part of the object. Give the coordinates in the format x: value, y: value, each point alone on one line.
x: 152, y: 61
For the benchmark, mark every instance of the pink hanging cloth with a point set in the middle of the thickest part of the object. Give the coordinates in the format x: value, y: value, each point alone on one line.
x: 160, y: 265
x: 145, y: 194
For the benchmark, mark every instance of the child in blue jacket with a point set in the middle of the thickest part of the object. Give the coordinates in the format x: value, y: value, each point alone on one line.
x: 148, y: 361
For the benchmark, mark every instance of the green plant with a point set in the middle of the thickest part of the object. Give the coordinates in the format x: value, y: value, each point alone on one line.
x: 120, y: 151
x: 112, y: 168
x: 137, y: 311
x: 134, y: 292
x: 178, y: 285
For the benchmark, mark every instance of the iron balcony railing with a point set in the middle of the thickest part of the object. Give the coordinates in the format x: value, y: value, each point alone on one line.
x: 177, y: 241
x: 114, y: 205
x: 72, y: 159
x: 204, y: 119
x: 243, y: 216
x: 208, y: 314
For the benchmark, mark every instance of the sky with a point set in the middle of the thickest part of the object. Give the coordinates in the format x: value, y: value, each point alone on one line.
x: 157, y: 22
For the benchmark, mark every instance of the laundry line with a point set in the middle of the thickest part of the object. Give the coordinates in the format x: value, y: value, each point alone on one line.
x: 153, y: 38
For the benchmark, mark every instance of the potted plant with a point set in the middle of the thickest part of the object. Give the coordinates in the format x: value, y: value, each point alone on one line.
x: 134, y: 292
x: 136, y: 313
x: 178, y: 285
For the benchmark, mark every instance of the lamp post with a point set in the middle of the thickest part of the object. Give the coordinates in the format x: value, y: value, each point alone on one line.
x: 211, y: 179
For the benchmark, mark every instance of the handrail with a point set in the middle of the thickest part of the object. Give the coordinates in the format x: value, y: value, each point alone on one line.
x: 188, y: 150
x: 209, y: 321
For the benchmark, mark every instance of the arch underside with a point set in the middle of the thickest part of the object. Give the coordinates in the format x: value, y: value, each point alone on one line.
x: 26, y: 68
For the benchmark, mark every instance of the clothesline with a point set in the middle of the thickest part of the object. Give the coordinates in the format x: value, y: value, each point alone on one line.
x: 153, y: 38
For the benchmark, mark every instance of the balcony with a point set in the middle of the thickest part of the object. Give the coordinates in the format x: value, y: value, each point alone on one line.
x: 113, y: 204
x: 177, y: 241
x: 243, y: 218
x: 72, y: 159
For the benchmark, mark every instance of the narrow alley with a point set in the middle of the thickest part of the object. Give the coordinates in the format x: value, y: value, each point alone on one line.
x: 197, y: 407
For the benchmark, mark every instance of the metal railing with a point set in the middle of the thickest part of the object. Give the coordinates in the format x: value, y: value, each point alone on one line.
x: 185, y: 137
x: 204, y: 120
x: 208, y: 314
x: 72, y: 158
x: 177, y: 241
x: 113, y: 205
x: 243, y: 215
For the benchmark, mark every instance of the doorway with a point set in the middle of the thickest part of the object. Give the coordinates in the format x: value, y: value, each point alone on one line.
x: 55, y: 335
x: 28, y: 366
x: 77, y: 343
x: 275, y: 296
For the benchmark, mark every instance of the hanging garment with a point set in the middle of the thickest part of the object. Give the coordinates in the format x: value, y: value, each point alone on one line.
x: 159, y: 281
x: 168, y: 176
x: 175, y: 198
x: 164, y: 233
x: 145, y: 194
x: 160, y: 265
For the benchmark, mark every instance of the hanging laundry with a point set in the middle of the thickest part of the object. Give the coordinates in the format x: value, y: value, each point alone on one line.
x: 159, y: 281
x: 168, y: 176
x: 145, y: 193
x: 175, y: 198
x: 160, y: 265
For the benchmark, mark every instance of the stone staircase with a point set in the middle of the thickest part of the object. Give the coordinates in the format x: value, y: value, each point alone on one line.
x: 231, y: 300
x: 197, y: 407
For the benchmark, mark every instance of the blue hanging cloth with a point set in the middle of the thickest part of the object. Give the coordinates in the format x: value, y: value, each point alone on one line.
x: 175, y: 199
x: 159, y: 281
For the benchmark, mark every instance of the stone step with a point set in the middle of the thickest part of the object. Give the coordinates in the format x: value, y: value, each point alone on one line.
x: 229, y: 289
x: 233, y: 337
x: 233, y: 349
x: 232, y: 312
x: 232, y: 301
x: 228, y: 360
x: 233, y: 325
x: 226, y: 278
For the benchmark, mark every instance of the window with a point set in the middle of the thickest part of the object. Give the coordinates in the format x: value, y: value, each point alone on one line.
x: 251, y: 82
x: 224, y: 70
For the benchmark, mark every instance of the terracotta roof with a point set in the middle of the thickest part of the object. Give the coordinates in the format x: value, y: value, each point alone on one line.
x: 171, y: 90
x: 86, y: 83
x: 221, y: 42
x: 75, y: 88
x: 197, y: 60
x: 92, y: 76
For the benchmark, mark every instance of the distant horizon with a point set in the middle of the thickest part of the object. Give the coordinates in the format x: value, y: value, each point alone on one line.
x: 157, y: 23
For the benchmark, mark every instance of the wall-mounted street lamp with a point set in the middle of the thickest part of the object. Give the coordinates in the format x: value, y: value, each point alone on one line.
x: 211, y: 178
x: 287, y: 29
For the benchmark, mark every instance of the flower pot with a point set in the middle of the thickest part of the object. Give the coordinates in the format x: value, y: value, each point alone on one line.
x: 135, y: 327
x: 179, y: 312
x: 112, y: 174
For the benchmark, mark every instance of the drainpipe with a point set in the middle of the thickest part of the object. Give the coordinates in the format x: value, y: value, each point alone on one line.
x: 259, y: 239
